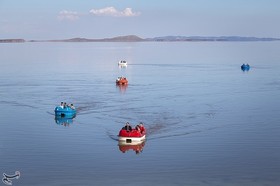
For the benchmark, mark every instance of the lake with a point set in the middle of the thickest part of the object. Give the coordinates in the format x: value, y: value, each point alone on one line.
x: 208, y: 122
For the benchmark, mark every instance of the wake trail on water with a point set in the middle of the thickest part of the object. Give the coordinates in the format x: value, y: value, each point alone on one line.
x: 18, y: 104
x: 169, y: 125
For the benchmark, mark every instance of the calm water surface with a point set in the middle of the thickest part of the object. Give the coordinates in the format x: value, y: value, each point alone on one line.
x: 208, y: 122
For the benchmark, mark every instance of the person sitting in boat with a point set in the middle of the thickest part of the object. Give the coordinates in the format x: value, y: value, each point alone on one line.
x: 141, y: 126
x: 72, y: 106
x: 127, y: 127
x: 61, y: 105
x: 137, y: 127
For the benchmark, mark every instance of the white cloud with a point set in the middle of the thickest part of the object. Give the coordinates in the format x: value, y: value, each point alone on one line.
x: 111, y: 11
x: 68, y: 15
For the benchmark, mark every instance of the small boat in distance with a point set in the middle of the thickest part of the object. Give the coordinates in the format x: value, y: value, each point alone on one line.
x: 245, y: 67
x: 122, y: 63
x: 121, y: 81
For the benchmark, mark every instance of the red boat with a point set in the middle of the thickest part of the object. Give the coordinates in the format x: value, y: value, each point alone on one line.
x: 129, y: 135
x: 121, y: 81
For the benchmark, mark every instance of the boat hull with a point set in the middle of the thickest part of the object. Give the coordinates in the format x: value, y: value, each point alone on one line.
x: 123, y: 81
x: 131, y: 140
x: 65, y: 112
x: 245, y: 67
x: 122, y: 63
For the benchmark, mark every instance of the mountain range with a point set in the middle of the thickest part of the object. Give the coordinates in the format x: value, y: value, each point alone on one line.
x: 134, y: 38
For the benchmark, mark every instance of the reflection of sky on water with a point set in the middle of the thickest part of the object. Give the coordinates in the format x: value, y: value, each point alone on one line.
x: 207, y: 121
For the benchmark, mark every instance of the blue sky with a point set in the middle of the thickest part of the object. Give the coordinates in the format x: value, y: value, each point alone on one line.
x: 60, y: 19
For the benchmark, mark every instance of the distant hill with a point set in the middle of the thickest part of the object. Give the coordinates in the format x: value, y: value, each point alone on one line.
x: 129, y: 38
x: 12, y: 40
x: 134, y: 38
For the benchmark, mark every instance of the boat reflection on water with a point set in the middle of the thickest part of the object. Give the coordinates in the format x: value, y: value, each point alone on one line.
x: 64, y: 120
x: 137, y: 147
x: 122, y: 88
x: 122, y: 66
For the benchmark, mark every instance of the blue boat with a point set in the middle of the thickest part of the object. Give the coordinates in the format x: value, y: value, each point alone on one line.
x: 65, y: 112
x: 245, y: 67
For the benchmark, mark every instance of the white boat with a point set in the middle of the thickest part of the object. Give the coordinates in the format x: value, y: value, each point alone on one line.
x: 122, y: 63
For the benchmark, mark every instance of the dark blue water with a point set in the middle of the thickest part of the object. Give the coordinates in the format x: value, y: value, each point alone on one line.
x: 208, y: 122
